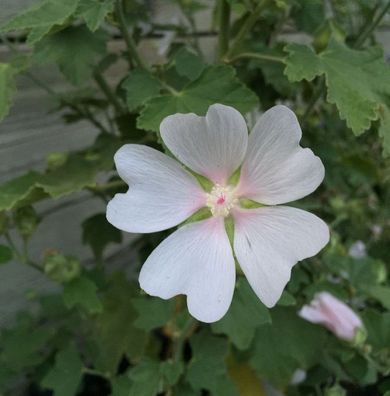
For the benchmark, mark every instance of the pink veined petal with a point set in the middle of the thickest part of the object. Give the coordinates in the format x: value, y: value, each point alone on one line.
x: 195, y: 260
x: 332, y: 313
x: 276, y: 168
x: 269, y: 241
x: 161, y: 192
x: 213, y: 146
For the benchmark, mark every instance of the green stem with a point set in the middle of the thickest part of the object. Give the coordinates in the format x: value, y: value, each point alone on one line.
x: 246, y: 27
x: 318, y: 92
x: 84, y: 113
x: 100, y: 80
x: 87, y: 370
x: 178, y: 344
x: 252, y: 55
x: 131, y: 46
x: 224, y: 27
x: 367, y: 30
x: 22, y: 257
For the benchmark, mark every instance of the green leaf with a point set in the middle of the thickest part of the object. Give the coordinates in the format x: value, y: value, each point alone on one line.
x: 23, y: 346
x: 152, y: 312
x: 7, y: 88
x: 171, y: 371
x: 140, y: 86
x: 208, y: 361
x: 285, y: 345
x: 114, y: 330
x: 94, y: 12
x: 361, y: 273
x: 377, y: 326
x: 121, y: 386
x: 78, y: 170
x: 216, y: 84
x: 245, y: 315
x: 380, y: 293
x: 188, y: 64
x: 67, y: 46
x: 357, y: 83
x: 145, y: 379
x: 65, y: 377
x: 42, y: 17
x: 308, y: 15
x: 82, y: 292
x: 98, y: 233
x: 5, y: 254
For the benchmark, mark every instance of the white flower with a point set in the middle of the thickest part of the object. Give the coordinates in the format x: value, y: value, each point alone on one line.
x: 197, y: 260
x: 332, y: 313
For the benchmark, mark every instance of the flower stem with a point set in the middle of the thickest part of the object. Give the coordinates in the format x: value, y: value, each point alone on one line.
x: 246, y: 27
x: 100, y: 80
x: 131, y: 46
x: 224, y: 28
x: 367, y: 30
x: 178, y: 344
x: 253, y: 55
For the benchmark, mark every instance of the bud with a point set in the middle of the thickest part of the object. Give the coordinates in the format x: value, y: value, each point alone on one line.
x: 26, y: 221
x: 55, y: 160
x: 336, y: 316
x: 61, y: 268
x: 328, y: 31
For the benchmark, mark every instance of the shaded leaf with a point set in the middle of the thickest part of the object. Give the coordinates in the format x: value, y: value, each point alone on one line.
x: 145, y: 379
x: 74, y: 42
x: 98, y: 233
x: 5, y: 254
x: 82, y: 292
x: 285, y: 345
x: 114, y: 331
x: 245, y: 315
x: 152, y: 312
x: 64, y: 378
x: 208, y: 361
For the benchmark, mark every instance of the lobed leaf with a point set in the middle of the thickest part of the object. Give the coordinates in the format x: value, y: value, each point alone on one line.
x: 216, y: 84
x: 358, y: 83
x: 65, y: 377
x: 41, y: 18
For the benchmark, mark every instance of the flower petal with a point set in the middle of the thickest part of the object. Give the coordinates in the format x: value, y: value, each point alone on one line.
x: 195, y: 260
x: 161, y: 192
x: 213, y: 146
x: 269, y: 241
x: 276, y: 169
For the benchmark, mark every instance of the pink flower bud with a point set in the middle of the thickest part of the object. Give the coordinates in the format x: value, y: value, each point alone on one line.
x: 332, y: 313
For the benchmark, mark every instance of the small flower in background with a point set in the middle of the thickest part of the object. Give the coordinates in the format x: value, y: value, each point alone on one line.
x: 358, y: 250
x: 332, y: 313
x: 197, y: 260
x: 298, y: 377
x: 376, y: 230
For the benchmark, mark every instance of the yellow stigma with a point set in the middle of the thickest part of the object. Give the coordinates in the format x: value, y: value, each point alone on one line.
x: 221, y: 200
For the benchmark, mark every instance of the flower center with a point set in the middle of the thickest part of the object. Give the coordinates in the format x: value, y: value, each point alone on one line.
x: 221, y: 200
